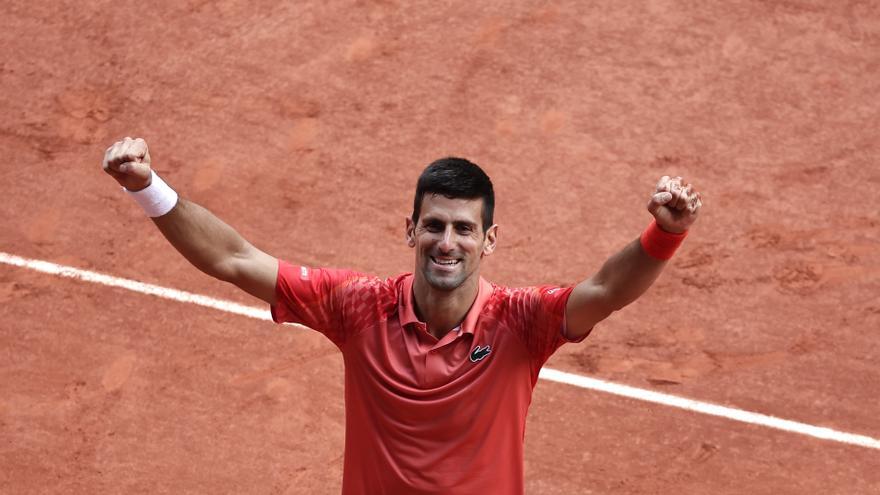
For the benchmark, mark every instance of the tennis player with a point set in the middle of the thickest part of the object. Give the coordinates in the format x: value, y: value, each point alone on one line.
x: 440, y: 364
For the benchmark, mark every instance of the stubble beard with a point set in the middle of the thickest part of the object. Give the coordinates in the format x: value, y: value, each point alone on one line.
x: 446, y: 284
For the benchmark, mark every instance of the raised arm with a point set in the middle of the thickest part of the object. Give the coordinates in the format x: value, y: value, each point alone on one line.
x: 204, y: 240
x: 629, y: 273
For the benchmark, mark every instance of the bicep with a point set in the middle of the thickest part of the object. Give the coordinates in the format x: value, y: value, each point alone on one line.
x: 587, y: 305
x: 254, y: 272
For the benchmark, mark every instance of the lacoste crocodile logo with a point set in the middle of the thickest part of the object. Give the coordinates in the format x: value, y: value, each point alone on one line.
x: 480, y: 352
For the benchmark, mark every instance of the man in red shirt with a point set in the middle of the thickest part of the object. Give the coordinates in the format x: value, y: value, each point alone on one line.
x: 439, y: 364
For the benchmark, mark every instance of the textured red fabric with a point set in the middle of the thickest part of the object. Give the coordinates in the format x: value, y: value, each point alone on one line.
x: 660, y: 244
x: 425, y: 415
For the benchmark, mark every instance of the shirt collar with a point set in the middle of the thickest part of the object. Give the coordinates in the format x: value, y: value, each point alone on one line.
x: 406, y: 308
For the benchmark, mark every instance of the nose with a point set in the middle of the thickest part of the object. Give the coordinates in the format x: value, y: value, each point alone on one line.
x: 446, y: 241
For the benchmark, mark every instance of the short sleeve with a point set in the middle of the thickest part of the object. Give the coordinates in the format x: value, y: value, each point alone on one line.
x: 313, y: 297
x: 541, y: 325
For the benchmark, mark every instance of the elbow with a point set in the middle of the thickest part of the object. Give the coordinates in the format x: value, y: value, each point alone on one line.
x: 224, y: 277
x: 224, y: 270
x: 231, y: 265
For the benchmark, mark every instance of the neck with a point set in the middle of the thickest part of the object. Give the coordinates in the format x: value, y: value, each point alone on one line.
x: 443, y: 310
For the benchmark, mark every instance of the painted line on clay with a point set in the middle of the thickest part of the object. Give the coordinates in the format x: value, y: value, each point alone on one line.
x: 708, y: 408
x: 135, y: 286
x: 548, y: 374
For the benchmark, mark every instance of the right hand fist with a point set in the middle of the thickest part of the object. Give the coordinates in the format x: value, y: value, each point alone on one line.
x: 128, y: 161
x: 675, y: 204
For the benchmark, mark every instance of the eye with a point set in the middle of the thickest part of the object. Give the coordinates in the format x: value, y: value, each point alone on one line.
x: 464, y: 229
x: 434, y: 227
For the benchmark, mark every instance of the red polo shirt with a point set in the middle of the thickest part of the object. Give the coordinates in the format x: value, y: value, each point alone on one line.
x: 422, y: 415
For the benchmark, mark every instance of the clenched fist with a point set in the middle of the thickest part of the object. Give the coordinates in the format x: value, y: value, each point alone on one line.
x: 128, y: 161
x: 675, y: 204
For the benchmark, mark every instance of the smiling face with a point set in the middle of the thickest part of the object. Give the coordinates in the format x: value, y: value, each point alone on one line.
x: 449, y: 241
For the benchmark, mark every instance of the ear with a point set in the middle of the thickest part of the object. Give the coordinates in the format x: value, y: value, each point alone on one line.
x: 490, y: 240
x: 410, y: 232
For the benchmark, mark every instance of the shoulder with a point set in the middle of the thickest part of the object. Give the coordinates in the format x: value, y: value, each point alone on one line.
x: 500, y: 300
x: 519, y: 302
x: 361, y: 289
x: 388, y: 287
x: 329, y: 280
x: 503, y: 294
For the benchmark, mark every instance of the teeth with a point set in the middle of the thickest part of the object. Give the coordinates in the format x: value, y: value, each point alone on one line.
x: 445, y: 262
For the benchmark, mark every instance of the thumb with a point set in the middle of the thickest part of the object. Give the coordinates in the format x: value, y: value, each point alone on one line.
x: 657, y: 200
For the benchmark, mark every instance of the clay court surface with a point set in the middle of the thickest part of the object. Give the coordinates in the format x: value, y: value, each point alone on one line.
x: 305, y: 125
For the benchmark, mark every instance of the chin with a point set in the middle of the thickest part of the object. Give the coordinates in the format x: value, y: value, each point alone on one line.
x: 444, y: 283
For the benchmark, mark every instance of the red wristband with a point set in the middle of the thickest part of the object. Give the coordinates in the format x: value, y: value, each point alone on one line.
x: 660, y: 244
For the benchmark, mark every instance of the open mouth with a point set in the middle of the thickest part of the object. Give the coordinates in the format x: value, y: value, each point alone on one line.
x: 446, y: 263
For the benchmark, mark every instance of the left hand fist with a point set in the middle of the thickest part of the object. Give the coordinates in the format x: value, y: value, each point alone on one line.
x: 675, y: 204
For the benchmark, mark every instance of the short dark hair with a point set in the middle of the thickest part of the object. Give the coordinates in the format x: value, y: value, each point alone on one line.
x: 456, y: 178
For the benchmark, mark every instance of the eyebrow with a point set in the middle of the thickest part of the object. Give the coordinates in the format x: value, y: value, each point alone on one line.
x: 458, y: 223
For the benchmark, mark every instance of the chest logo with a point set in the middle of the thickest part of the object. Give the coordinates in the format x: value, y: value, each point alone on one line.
x: 480, y: 352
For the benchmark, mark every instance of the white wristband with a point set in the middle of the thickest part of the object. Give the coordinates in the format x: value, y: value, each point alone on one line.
x: 156, y: 199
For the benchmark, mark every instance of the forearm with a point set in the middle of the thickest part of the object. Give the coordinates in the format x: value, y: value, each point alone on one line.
x: 627, y: 275
x: 623, y: 278
x: 204, y: 240
x: 209, y: 244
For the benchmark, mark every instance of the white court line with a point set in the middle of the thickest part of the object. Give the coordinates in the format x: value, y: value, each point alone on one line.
x: 546, y: 373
